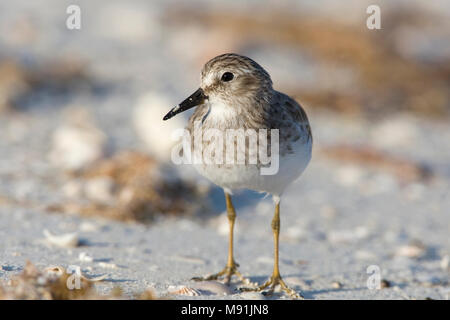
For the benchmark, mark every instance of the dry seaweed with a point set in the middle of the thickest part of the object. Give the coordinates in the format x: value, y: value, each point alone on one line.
x: 140, y: 191
x: 54, y: 283
x: 387, y: 80
x: 20, y: 82
x: 405, y: 170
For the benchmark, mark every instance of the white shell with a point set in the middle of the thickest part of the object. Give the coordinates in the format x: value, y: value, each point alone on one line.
x: 183, y: 290
x: 75, y: 147
x: 67, y: 240
x: 83, y: 256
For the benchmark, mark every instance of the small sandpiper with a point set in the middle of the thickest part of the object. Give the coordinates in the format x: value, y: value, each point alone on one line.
x: 236, y: 93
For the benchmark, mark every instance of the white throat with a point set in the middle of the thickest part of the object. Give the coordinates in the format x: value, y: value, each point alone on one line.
x: 220, y: 111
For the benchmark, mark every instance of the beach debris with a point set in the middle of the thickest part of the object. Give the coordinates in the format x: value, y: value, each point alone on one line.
x: 84, y: 257
x: 132, y: 186
x: 183, y: 290
x: 67, y: 240
x: 415, y: 249
x: 77, y: 143
x: 336, y: 285
x: 53, y: 283
x: 147, y: 114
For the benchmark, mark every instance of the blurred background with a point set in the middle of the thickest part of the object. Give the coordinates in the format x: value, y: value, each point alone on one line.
x: 82, y: 135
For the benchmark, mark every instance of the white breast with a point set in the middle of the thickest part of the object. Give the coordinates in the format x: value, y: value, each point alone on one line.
x: 239, y: 176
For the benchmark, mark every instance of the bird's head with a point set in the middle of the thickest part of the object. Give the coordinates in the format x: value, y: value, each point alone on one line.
x: 229, y: 79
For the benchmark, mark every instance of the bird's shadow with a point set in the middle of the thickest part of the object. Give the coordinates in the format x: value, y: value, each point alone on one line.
x: 241, y: 199
x: 307, y: 294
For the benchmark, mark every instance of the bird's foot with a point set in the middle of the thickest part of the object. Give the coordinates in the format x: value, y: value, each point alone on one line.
x: 226, y: 274
x: 271, y: 285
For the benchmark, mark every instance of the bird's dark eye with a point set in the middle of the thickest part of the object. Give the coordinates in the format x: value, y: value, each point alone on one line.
x: 227, y: 76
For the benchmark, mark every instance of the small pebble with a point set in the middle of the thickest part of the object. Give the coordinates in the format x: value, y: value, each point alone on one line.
x: 83, y: 256
x: 336, y: 285
x: 385, y: 284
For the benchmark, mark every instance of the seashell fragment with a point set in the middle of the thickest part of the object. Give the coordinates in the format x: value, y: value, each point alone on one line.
x: 183, y: 290
x: 67, y: 240
x: 83, y: 256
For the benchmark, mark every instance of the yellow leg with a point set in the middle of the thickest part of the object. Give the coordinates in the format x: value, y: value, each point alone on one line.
x: 275, y: 279
x: 231, y: 266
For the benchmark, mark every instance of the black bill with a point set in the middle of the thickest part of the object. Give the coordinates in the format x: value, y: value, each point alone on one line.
x: 195, y: 99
